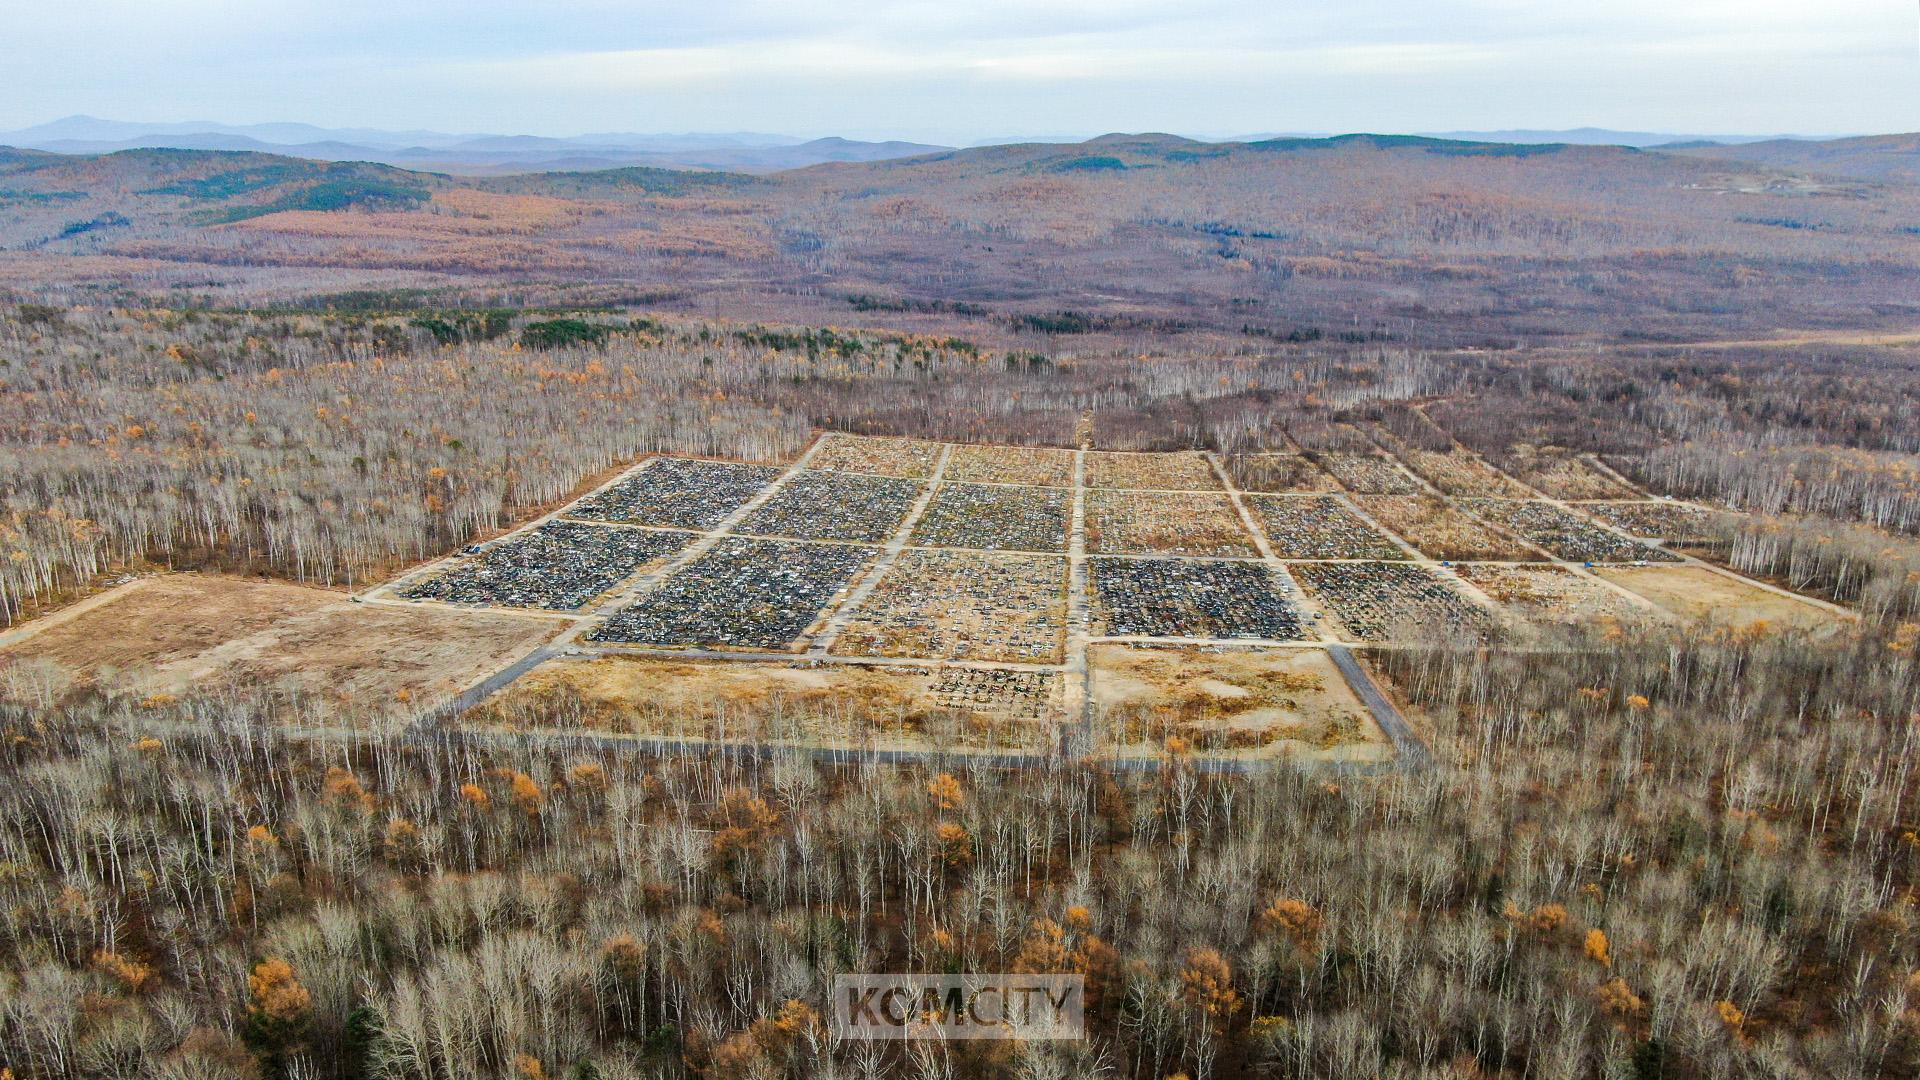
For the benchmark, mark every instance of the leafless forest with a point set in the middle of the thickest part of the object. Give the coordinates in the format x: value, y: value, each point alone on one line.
x: 1662, y: 857
x: 1659, y: 854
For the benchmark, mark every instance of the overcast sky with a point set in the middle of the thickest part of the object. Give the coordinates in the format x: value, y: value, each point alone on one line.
x: 959, y: 71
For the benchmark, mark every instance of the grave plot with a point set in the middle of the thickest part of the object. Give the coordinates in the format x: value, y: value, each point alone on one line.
x: 1233, y: 702
x: 1318, y: 527
x: 1561, y: 474
x: 742, y: 593
x: 777, y: 703
x: 1164, y: 523
x: 1553, y: 595
x: 963, y: 605
x: 1565, y: 535
x: 1281, y: 473
x: 1657, y: 520
x: 1192, y: 598
x: 681, y: 493
x: 1011, y: 465
x: 1182, y: 471
x: 1440, y: 531
x: 559, y: 566
x: 1368, y: 474
x: 879, y: 455
x: 817, y: 505
x: 1382, y: 601
x: 995, y: 518
x: 1461, y: 473
x: 997, y: 692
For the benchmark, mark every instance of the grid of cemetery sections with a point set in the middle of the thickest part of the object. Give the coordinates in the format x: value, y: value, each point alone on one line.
x: 879, y: 549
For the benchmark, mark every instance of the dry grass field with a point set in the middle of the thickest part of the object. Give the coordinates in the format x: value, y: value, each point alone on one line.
x: 1237, y: 703
x: 843, y: 706
x: 1697, y: 594
x: 187, y: 632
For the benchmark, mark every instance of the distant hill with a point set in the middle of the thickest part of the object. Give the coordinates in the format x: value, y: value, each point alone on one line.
x: 1891, y: 159
x: 1370, y: 239
x: 462, y: 154
x: 1592, y: 136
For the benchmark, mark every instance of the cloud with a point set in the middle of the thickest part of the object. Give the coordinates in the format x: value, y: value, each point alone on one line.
x: 957, y: 71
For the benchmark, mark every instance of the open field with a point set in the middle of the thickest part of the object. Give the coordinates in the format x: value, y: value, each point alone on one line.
x: 1458, y: 473
x: 827, y: 705
x: 1232, y: 702
x: 1695, y: 593
x: 964, y: 605
x: 188, y: 632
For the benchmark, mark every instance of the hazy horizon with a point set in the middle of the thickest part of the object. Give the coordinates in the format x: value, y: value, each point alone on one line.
x: 895, y: 70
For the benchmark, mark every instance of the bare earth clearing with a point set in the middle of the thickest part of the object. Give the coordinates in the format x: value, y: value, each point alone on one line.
x: 182, y: 632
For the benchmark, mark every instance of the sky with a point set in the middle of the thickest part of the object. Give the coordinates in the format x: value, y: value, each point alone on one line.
x: 959, y: 72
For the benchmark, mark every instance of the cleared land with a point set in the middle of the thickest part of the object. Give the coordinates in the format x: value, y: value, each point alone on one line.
x: 1696, y: 593
x: 1230, y: 702
x: 837, y: 705
x: 1459, y: 473
x: 964, y: 605
x: 182, y: 632
x: 1165, y: 523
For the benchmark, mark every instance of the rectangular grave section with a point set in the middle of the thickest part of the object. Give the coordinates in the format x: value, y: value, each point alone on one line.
x: 1384, y: 601
x: 1192, y: 598
x: 816, y: 505
x: 559, y: 566
x: 994, y: 517
x: 742, y: 593
x: 681, y: 493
